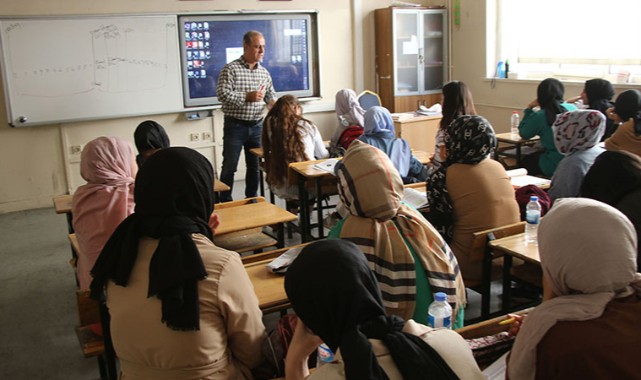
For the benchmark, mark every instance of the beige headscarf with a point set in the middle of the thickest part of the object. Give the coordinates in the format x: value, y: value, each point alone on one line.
x: 380, y: 224
x: 588, y: 255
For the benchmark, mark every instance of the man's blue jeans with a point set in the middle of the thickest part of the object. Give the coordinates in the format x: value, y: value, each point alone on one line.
x: 237, y: 135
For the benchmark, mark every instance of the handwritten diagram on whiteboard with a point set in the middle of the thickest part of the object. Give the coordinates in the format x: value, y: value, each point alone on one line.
x: 90, y: 68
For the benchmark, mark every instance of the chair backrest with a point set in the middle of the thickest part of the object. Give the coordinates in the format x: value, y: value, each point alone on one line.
x: 368, y: 99
x: 481, y: 238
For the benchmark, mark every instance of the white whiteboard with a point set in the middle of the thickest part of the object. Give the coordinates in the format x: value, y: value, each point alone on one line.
x: 71, y: 69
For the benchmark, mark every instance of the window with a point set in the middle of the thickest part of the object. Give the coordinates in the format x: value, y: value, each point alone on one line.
x: 569, y: 39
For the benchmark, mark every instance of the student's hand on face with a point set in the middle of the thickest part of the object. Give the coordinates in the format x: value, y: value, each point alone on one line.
x: 533, y: 103
x: 303, y: 343
x: 214, y: 222
x: 613, y: 115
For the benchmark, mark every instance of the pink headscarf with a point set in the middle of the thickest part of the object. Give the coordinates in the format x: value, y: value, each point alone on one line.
x: 108, y: 165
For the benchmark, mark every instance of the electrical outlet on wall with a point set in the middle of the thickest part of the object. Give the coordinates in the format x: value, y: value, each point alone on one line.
x: 76, y: 149
x: 206, y: 136
x: 194, y: 136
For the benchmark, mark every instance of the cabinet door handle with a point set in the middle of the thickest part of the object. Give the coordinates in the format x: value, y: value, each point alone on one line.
x: 385, y: 77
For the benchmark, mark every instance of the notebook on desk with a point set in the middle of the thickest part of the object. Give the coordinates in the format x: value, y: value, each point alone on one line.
x: 327, y: 165
x: 520, y: 178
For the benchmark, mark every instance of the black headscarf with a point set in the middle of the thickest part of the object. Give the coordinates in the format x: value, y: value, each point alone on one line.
x: 599, y: 93
x: 468, y: 140
x: 345, y: 310
x: 149, y: 135
x: 613, y: 175
x: 628, y: 106
x: 549, y: 94
x: 174, y: 198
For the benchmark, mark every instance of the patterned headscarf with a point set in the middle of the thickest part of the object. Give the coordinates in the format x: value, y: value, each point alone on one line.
x: 468, y: 140
x: 588, y: 255
x: 348, y: 107
x: 579, y: 130
x: 383, y: 227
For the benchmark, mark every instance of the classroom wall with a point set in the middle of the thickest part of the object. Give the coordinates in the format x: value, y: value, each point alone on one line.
x: 36, y: 162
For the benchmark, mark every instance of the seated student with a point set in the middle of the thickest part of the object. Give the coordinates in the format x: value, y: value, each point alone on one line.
x: 379, y: 132
x: 627, y: 110
x: 109, y: 167
x: 345, y: 311
x: 539, y: 123
x: 288, y: 137
x: 149, y: 136
x: 394, y: 235
x: 180, y: 307
x: 350, y: 117
x: 597, y: 95
x: 615, y: 179
x: 576, y: 136
x: 588, y: 324
x: 470, y: 192
x: 457, y: 101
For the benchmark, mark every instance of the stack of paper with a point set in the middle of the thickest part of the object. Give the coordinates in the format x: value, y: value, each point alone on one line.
x: 520, y: 178
x: 327, y: 165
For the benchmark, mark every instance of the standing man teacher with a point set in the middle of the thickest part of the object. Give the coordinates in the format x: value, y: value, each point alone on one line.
x: 244, y: 86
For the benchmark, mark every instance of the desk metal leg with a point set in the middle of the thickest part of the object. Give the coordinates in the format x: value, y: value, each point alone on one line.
x: 518, y: 155
x: 303, y: 209
x: 261, y: 182
x: 280, y: 236
x: 507, y: 283
x: 319, y: 208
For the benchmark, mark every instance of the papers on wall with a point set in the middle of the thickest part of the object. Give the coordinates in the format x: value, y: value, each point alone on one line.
x: 415, y: 198
x: 282, y: 262
x: 520, y: 178
x: 327, y: 165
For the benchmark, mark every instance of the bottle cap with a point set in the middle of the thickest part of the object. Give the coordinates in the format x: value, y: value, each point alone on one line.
x: 440, y: 296
x: 534, y: 198
x: 515, y: 111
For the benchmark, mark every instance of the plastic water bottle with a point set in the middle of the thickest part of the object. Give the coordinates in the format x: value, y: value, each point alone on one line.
x: 324, y: 355
x: 500, y: 69
x: 440, y: 312
x: 532, y: 219
x: 515, y: 120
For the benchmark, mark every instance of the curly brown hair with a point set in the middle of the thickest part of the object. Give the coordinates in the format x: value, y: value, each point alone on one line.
x: 282, y: 140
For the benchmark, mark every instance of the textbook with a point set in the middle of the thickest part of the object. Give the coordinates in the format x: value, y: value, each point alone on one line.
x: 520, y: 178
x: 327, y: 165
x: 415, y: 198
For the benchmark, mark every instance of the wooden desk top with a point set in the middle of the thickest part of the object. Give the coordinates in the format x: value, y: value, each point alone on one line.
x: 307, y: 169
x: 413, y: 117
x: 62, y: 203
x: 269, y: 287
x: 220, y: 186
x: 251, y: 215
x: 258, y: 152
x: 508, y: 137
x: 422, y: 156
x: 515, y: 246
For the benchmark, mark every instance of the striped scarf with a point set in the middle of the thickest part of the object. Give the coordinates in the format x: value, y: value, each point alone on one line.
x: 384, y: 228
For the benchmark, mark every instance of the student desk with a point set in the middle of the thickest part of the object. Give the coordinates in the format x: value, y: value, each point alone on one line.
x: 512, y: 142
x: 253, y: 215
x: 62, y: 203
x: 305, y: 172
x: 514, y: 246
x: 418, y: 130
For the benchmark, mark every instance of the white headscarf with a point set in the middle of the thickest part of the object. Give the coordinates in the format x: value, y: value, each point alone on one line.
x: 589, y: 257
x: 347, y: 106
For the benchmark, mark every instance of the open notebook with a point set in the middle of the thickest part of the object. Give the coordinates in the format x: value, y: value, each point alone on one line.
x: 520, y: 178
x: 415, y: 198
